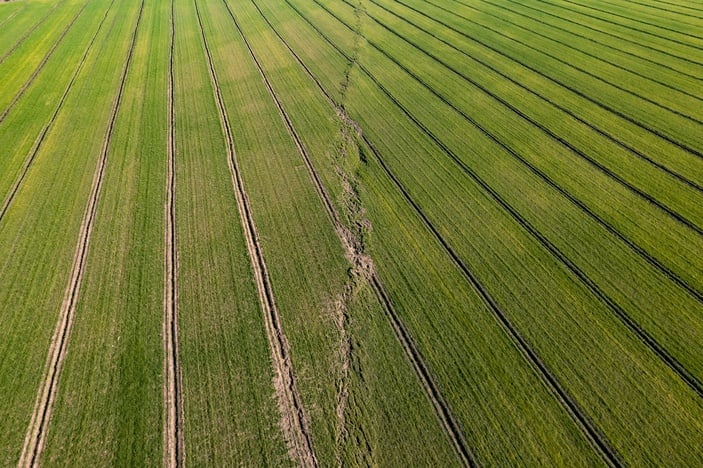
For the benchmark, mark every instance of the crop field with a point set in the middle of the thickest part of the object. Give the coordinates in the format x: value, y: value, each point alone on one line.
x: 351, y: 233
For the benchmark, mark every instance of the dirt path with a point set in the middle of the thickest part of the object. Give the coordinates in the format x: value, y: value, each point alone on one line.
x: 44, y: 132
x: 36, y: 433
x: 294, y: 421
x: 174, y: 447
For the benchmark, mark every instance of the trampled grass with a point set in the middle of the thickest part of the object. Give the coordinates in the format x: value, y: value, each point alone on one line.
x: 360, y: 232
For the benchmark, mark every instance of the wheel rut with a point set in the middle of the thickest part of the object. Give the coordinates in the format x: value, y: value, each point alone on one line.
x: 294, y: 423
x: 174, y: 443
x: 35, y: 437
x: 28, y: 32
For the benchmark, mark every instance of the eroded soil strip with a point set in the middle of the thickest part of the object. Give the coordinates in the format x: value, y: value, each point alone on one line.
x: 294, y: 422
x: 451, y: 427
x: 36, y: 432
x: 40, y: 67
x: 174, y: 454
x: 42, y: 135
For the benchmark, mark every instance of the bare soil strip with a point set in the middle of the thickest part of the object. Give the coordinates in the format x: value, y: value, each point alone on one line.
x: 294, y: 421
x: 42, y: 135
x: 451, y: 427
x: 41, y: 64
x: 36, y: 433
x: 174, y: 446
x: 28, y: 32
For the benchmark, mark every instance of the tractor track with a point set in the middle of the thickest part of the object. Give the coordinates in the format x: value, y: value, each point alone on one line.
x: 665, y: 52
x: 39, y: 68
x: 449, y: 423
x: 679, y: 369
x: 295, y: 423
x: 683, y: 146
x: 174, y: 443
x: 600, y: 167
x: 587, y: 427
x: 28, y: 32
x: 581, y: 36
x: 9, y: 18
x: 9, y: 198
x: 38, y: 427
x: 639, y: 250
x: 654, y: 6
x: 630, y: 149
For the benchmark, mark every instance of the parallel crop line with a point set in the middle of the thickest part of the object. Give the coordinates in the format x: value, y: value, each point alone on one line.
x: 174, y: 445
x: 592, y: 161
x: 442, y: 410
x: 655, y: 262
x: 589, y: 54
x: 668, y: 3
x: 582, y: 421
x: 693, y: 151
x: 595, y: 437
x: 37, y: 430
x: 290, y: 403
x: 605, y: 33
x: 582, y: 70
x: 543, y: 97
x: 39, y: 68
x: 588, y: 38
x: 44, y: 132
x: 617, y: 15
x: 643, y: 335
x: 9, y: 18
x: 28, y: 32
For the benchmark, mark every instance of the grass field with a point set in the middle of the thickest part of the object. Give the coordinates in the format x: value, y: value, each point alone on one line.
x: 351, y: 232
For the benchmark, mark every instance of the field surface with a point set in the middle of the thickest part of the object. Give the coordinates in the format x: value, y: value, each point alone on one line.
x: 351, y: 233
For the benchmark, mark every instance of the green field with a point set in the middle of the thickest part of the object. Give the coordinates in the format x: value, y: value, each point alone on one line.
x: 351, y: 232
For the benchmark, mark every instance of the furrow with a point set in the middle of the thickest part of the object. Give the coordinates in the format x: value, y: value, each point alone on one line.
x: 651, y: 259
x: 693, y: 151
x: 635, y: 20
x: 9, y: 18
x: 606, y: 33
x: 561, y: 140
x: 451, y: 427
x: 41, y: 65
x: 588, y: 54
x: 293, y: 413
x: 688, y: 7
x: 28, y: 32
x: 635, y: 152
x: 590, y: 38
x: 642, y: 335
x: 44, y: 132
x: 174, y: 446
x: 581, y: 70
x: 36, y: 433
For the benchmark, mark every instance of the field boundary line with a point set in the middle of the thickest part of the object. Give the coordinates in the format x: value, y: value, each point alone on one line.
x: 40, y: 67
x: 35, y: 437
x: 442, y: 410
x: 29, y: 159
x: 679, y: 369
x: 295, y: 422
x: 661, y: 134
x: 21, y: 40
x: 173, y: 437
x: 637, y: 153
